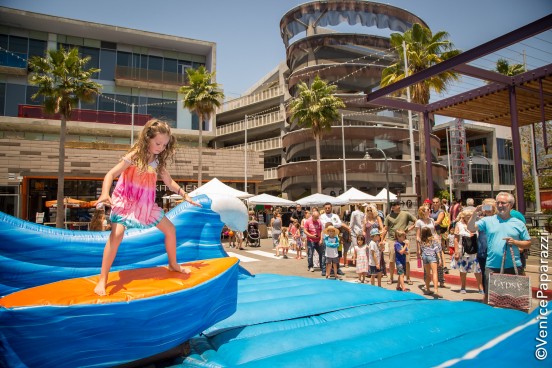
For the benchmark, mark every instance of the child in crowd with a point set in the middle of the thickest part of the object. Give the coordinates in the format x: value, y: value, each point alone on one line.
x: 98, y: 221
x: 430, y: 249
x: 360, y: 258
x: 133, y: 199
x: 374, y: 261
x: 401, y: 248
x: 283, y: 243
x: 295, y: 231
x: 331, y: 242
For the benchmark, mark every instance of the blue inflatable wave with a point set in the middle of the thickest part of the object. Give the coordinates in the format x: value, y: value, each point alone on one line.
x: 33, y: 254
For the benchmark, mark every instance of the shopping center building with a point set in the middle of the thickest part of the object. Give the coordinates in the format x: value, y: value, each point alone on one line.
x: 140, y: 75
x: 371, y: 139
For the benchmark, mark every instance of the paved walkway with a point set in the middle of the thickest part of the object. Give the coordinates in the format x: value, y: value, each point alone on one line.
x: 263, y: 260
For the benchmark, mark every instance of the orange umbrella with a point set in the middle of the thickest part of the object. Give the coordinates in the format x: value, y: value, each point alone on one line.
x: 68, y: 202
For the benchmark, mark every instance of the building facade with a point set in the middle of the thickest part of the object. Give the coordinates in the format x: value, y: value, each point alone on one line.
x: 369, y: 147
x: 140, y: 75
x: 489, y: 159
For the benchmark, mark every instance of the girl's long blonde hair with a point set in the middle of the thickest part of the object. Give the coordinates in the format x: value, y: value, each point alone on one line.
x: 140, y: 148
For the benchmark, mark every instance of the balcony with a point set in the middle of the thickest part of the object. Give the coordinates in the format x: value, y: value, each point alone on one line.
x: 251, y: 99
x: 91, y: 116
x: 151, y: 79
x: 271, y: 174
x: 253, y: 122
x: 14, y: 64
x: 259, y: 146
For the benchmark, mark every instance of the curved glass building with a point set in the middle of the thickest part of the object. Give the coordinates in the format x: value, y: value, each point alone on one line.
x: 347, y: 44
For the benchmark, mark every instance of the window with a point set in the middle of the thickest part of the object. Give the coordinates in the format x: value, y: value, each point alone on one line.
x: 107, y: 64
x: 106, y: 103
x: 163, y: 109
x: 124, y: 104
x: 31, y: 90
x: 479, y: 147
x: 505, y: 149
x: 481, y: 173
x: 37, y: 48
x: 155, y: 63
x: 2, y: 97
x: 124, y: 58
x: 94, y: 61
x: 506, y: 173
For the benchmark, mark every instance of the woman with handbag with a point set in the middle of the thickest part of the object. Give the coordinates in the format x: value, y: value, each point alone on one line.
x: 465, y: 256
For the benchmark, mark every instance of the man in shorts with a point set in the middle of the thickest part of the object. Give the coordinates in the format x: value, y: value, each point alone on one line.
x: 397, y: 220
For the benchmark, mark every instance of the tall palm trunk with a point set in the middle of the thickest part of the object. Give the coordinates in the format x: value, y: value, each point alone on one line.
x: 318, y: 170
x: 60, y: 212
x: 200, y: 153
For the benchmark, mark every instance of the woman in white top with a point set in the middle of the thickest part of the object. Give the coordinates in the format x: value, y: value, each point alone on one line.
x: 463, y: 261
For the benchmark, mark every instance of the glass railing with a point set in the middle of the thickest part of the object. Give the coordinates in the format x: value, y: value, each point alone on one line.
x: 264, y: 145
x: 250, y: 99
x: 91, y: 116
x: 13, y: 60
x: 152, y: 76
x: 252, y: 122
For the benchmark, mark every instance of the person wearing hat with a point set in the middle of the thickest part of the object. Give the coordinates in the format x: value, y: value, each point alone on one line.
x: 397, y: 220
x: 331, y: 242
x: 374, y: 261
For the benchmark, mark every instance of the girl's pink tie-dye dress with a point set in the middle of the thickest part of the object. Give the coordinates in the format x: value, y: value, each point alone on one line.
x: 133, y: 200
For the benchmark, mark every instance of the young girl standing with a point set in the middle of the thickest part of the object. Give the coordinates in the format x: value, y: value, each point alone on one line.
x: 360, y: 258
x: 430, y: 250
x: 133, y: 199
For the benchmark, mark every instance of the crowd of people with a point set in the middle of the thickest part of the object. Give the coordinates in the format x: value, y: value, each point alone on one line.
x: 474, y: 236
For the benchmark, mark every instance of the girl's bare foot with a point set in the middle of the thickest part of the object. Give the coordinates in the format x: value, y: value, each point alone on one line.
x: 100, y: 288
x: 179, y: 268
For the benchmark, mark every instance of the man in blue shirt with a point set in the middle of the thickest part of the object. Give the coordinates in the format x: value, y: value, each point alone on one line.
x: 501, y: 229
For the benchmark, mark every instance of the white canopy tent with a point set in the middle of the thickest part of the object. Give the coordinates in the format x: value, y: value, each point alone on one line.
x: 382, y: 196
x: 269, y: 200
x: 354, y: 195
x: 215, y: 186
x: 319, y: 199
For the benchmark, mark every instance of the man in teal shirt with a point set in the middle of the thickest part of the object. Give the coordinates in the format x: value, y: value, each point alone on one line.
x: 501, y: 229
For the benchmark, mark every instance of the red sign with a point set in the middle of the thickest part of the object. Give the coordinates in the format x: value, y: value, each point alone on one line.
x: 546, y: 200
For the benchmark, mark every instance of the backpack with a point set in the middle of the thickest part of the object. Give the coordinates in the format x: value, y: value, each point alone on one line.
x: 446, y: 221
x: 469, y: 243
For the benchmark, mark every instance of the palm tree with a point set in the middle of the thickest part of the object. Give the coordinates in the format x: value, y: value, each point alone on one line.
x: 63, y: 80
x: 316, y: 108
x: 423, y: 49
x: 504, y: 67
x: 201, y: 96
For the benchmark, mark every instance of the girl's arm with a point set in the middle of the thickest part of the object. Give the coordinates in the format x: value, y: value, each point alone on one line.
x: 174, y: 187
x: 111, y: 175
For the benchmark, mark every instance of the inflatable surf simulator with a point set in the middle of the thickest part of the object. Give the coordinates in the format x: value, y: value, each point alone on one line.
x: 49, y: 316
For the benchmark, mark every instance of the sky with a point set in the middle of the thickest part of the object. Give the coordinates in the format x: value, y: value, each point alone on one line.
x: 247, y: 31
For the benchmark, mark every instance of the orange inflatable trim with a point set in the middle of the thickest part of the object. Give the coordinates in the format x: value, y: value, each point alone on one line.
x: 122, y: 286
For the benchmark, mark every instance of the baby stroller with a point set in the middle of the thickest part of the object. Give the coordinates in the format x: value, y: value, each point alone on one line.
x: 253, y: 234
